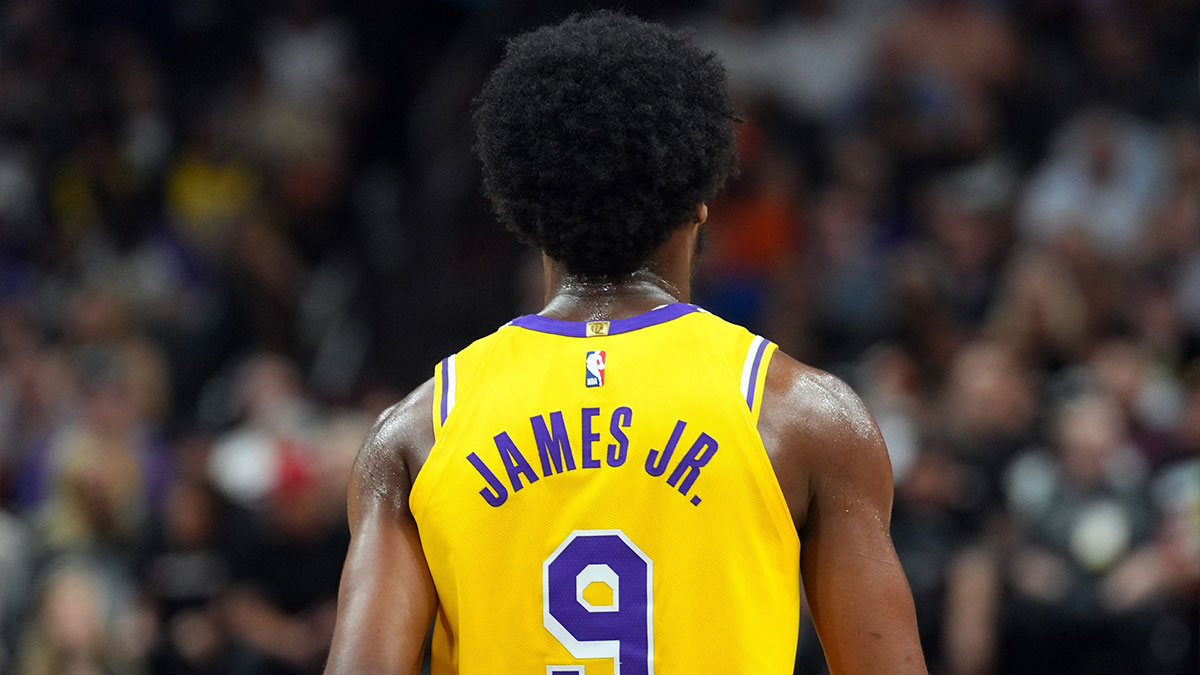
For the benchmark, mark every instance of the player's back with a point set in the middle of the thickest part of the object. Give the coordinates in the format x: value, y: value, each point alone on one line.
x: 598, y: 501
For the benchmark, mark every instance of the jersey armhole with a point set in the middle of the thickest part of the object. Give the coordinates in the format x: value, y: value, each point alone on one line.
x: 445, y: 386
x: 753, y: 386
x: 754, y: 374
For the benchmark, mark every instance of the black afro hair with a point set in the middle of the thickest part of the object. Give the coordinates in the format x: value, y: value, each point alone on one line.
x: 600, y: 136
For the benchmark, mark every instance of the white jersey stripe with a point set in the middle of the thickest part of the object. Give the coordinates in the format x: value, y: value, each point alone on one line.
x: 451, y: 384
x: 748, y: 366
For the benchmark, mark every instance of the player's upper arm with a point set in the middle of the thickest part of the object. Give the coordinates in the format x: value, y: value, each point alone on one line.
x: 387, y: 599
x: 835, y: 472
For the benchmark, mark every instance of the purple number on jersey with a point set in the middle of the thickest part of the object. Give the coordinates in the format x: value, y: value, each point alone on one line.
x: 622, y: 630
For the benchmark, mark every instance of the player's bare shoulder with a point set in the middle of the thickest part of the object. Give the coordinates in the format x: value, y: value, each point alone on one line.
x: 394, y: 451
x: 818, y: 431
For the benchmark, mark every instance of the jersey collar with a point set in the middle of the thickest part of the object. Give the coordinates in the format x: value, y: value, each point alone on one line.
x: 545, y: 324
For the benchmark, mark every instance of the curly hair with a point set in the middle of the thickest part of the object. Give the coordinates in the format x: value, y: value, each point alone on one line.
x: 599, y: 137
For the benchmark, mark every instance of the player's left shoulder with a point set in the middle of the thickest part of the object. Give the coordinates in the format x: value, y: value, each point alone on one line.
x: 818, y: 431
x: 811, y: 403
x: 821, y: 405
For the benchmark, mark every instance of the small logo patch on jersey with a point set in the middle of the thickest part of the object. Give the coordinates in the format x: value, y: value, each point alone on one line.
x: 594, y: 376
x: 597, y: 328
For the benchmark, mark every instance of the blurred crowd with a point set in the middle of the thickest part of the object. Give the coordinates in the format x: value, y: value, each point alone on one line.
x: 232, y: 233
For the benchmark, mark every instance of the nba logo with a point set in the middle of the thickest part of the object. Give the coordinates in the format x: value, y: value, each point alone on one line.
x: 595, y: 369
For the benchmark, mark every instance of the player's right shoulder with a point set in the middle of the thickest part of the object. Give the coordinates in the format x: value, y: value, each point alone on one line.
x: 394, y: 450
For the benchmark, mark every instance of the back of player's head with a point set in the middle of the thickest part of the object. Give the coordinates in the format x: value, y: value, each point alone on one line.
x: 600, y: 136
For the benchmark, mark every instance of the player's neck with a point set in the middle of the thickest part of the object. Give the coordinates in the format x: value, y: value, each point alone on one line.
x: 573, y: 299
x: 664, y: 279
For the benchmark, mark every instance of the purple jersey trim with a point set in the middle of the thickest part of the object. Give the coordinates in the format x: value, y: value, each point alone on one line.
x: 445, y: 386
x: 762, y: 348
x: 545, y: 324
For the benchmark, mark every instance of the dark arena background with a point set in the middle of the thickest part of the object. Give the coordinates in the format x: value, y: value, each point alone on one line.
x: 231, y: 233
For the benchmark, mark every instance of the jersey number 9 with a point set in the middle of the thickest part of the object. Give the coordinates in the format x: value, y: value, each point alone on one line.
x: 622, y: 630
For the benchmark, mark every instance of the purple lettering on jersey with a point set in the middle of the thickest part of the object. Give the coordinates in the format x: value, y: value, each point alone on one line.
x: 514, y: 462
x: 689, y: 467
x: 589, y: 437
x: 590, y: 632
x: 554, y: 449
x: 498, y: 493
x: 622, y: 417
x: 656, y: 465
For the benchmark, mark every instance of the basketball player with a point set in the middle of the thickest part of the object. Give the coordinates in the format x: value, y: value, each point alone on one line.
x: 624, y: 483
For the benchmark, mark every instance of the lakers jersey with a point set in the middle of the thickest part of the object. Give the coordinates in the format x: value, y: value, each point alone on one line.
x: 598, y: 502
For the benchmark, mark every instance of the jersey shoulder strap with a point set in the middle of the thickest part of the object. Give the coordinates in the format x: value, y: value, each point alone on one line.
x: 445, y: 385
x: 754, y: 373
x: 456, y: 371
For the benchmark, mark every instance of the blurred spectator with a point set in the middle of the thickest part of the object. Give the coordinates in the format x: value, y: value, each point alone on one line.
x: 967, y: 45
x: 754, y: 232
x: 966, y: 227
x: 1085, y: 577
x: 941, y: 67
x: 889, y: 385
x: 1100, y: 182
x: 16, y: 568
x: 307, y: 54
x: 988, y: 415
x: 850, y: 308
x: 1151, y: 398
x: 210, y: 191
x: 37, y: 395
x: 1177, y: 495
x: 275, y: 419
x: 1040, y: 312
x: 814, y: 58
x: 283, y: 600
x: 101, y: 474
x: 74, y: 631
x: 184, y: 577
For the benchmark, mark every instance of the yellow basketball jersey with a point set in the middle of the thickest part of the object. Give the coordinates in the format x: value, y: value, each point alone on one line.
x: 598, y: 501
